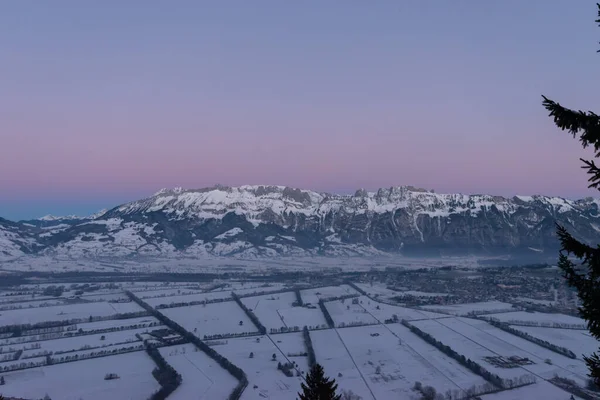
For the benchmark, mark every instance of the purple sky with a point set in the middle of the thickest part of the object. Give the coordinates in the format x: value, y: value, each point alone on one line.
x: 108, y: 101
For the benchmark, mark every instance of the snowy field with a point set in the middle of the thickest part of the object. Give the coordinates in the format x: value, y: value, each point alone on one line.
x: 276, y: 311
x: 337, y: 362
x: 261, y: 368
x: 290, y: 345
x: 65, y: 312
x: 468, y: 308
x: 447, y: 366
x: 188, y: 298
x: 85, y: 379
x: 80, y: 342
x: 267, y: 308
x: 202, y: 377
x: 578, y: 341
x: 383, y: 311
x: 211, y: 319
x: 345, y: 312
x: 312, y: 296
x: 473, y: 344
x: 112, y: 323
x: 519, y: 317
x: 477, y: 339
x: 540, y: 390
x: 390, y: 367
x: 166, y: 292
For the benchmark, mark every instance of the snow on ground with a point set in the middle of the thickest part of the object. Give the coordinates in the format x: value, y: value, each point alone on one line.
x: 126, y: 307
x: 536, y: 317
x: 105, y: 297
x: 578, y: 341
x: 202, y: 377
x: 380, y: 291
x: 535, y: 301
x: 467, y: 308
x: 335, y: 359
x: 383, y: 311
x: 292, y: 344
x: 188, y: 298
x: 540, y: 390
x: 58, y: 313
x: 211, y: 319
x: 345, y: 312
x: 312, y: 296
x: 31, y: 304
x: 439, y: 361
x: 267, y: 308
x: 111, y: 323
x: 561, y: 365
x: 261, y: 369
x: 494, y: 340
x: 78, y: 342
x: 468, y: 346
x: 389, y: 367
x: 85, y: 379
x: 148, y: 294
x: 276, y: 311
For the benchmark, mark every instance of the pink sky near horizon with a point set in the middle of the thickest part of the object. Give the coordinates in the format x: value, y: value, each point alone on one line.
x: 111, y: 102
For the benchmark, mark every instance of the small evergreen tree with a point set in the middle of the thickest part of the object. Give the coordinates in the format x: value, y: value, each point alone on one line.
x: 584, y: 277
x: 318, y: 386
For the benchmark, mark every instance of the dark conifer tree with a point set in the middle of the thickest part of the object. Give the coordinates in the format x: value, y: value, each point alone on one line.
x: 585, y: 274
x: 318, y: 386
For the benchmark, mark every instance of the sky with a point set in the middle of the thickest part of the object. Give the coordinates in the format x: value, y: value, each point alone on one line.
x: 108, y: 101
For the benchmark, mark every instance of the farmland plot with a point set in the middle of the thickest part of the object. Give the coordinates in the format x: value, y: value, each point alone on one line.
x: 540, y: 390
x: 390, y: 368
x: 202, y: 377
x: 312, y: 296
x: 338, y: 364
x: 211, y: 319
x: 292, y: 346
x: 560, y: 365
x: 85, y: 379
x: 167, y: 292
x: 383, y: 311
x: 115, y: 323
x: 578, y: 341
x: 275, y: 311
x: 267, y: 308
x: 468, y: 308
x: 261, y: 369
x: 58, y: 313
x: 450, y: 368
x: 126, y: 307
x: 188, y: 298
x: 347, y: 313
x: 467, y: 346
x: 81, y: 342
x: 31, y: 304
x: 540, y: 319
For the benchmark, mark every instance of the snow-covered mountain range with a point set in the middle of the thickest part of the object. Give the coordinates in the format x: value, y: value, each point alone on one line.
x: 252, y: 221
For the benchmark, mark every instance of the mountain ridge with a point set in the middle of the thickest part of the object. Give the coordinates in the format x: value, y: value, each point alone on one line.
x: 268, y: 220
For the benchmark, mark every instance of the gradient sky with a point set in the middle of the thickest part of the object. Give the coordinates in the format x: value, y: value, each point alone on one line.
x: 102, y: 102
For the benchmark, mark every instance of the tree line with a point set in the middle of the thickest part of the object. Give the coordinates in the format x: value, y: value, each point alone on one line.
x: 168, y: 378
x: 250, y: 314
x: 543, y: 343
x: 312, y: 358
x: 470, y: 364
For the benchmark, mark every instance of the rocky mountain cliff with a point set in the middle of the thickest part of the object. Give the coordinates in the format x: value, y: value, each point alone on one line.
x: 251, y: 221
